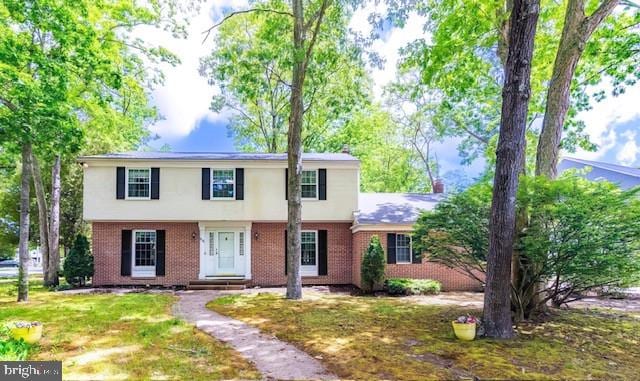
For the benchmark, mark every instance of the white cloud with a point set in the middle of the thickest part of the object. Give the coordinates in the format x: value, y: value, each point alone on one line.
x: 388, y: 47
x: 604, y: 116
x: 184, y: 98
x: 628, y: 153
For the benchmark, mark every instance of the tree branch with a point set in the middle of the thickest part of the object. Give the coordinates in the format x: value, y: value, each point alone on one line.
x: 230, y: 15
x: 316, y: 31
x: 9, y: 104
x: 603, y: 11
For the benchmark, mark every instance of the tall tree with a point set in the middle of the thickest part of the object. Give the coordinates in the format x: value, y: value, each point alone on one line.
x: 511, y: 141
x: 23, y: 253
x: 576, y: 32
x: 305, y: 34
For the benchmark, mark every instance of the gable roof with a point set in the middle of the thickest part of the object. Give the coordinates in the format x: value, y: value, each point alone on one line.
x: 394, y: 208
x: 625, y: 177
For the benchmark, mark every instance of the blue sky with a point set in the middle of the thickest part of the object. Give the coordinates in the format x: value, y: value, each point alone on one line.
x: 189, y: 125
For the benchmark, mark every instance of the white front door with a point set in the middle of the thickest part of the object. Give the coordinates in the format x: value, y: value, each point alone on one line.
x: 224, y: 253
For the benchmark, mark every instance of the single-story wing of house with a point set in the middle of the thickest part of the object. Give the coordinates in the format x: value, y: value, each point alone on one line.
x: 206, y: 219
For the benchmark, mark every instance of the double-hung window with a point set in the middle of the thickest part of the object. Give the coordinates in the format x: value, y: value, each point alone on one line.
x: 139, y: 183
x: 223, y: 183
x: 310, y: 184
x: 403, y: 248
x: 309, y: 253
x: 144, y: 253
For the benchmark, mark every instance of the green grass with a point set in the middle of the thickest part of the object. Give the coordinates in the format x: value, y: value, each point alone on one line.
x: 132, y: 336
x: 373, y: 338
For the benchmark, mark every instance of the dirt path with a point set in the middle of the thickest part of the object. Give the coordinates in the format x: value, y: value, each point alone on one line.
x: 272, y: 357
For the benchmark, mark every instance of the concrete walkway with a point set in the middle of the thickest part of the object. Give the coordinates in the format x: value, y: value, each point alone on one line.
x: 272, y: 357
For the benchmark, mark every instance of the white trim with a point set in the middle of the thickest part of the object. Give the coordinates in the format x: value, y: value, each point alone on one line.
x: 317, y: 185
x: 211, y: 197
x: 310, y: 272
x: 206, y: 227
x: 144, y: 271
x: 382, y: 228
x: 126, y: 183
x: 410, y: 249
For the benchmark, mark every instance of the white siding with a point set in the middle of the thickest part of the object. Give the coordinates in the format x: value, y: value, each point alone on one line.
x: 180, y: 193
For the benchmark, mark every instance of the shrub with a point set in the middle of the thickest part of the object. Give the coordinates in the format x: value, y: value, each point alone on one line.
x: 78, y: 265
x: 372, y: 269
x: 404, y: 286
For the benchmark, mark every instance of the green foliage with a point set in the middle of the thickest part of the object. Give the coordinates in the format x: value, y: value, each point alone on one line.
x: 252, y: 64
x: 78, y: 265
x: 11, y: 349
x: 373, y: 263
x: 461, y: 67
x: 584, y: 235
x: 405, y: 286
x: 456, y: 232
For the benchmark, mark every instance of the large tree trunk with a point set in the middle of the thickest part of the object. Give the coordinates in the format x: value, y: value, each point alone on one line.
x: 23, y: 278
x: 576, y: 32
x: 43, y: 217
x: 54, y: 224
x: 294, y: 158
x: 515, y: 105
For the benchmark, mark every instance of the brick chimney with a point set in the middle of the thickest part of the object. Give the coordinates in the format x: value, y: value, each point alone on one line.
x: 345, y: 149
x: 438, y: 186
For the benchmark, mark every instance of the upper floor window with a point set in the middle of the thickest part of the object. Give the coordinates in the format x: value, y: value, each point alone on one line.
x: 310, y: 184
x: 403, y: 248
x: 223, y: 184
x: 139, y: 183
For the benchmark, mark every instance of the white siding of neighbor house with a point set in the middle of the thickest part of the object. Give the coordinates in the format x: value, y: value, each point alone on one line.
x: 180, y: 193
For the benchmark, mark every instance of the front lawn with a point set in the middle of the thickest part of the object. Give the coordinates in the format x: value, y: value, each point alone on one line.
x: 131, y: 336
x: 394, y: 338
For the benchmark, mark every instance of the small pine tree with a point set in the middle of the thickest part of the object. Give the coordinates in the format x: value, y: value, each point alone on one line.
x: 78, y: 265
x: 372, y: 268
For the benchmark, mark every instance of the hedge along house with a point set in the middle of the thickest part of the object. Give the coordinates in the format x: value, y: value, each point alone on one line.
x: 207, y: 219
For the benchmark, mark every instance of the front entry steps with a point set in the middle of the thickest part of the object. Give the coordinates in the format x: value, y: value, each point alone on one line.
x: 218, y: 284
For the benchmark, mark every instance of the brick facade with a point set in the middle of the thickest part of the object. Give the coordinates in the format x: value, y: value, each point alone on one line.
x: 267, y: 250
x: 182, y: 260
x: 451, y: 280
x: 182, y: 253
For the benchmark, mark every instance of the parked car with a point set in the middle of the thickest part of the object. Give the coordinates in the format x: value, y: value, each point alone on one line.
x: 9, y: 263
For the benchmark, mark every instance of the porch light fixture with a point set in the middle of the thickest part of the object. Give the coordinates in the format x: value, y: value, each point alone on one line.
x: 256, y: 235
x: 193, y: 235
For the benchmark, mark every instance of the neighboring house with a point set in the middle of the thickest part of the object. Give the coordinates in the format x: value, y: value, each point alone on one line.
x: 625, y: 177
x: 194, y: 219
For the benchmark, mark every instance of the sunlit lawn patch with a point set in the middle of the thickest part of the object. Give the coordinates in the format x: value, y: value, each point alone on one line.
x: 131, y: 336
x: 366, y: 338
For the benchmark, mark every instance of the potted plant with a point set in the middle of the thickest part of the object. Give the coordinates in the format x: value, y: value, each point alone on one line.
x: 30, y: 332
x: 465, y: 327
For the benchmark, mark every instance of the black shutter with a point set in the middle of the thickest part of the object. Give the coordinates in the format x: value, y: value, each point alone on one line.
x: 286, y: 183
x: 120, y: 183
x: 286, y: 255
x: 125, y: 253
x: 416, y: 255
x: 322, y: 252
x: 206, y: 183
x: 155, y: 183
x: 239, y: 183
x: 160, y: 252
x: 322, y: 184
x: 391, y: 248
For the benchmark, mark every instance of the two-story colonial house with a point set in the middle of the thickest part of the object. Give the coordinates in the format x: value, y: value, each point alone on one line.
x: 198, y: 219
